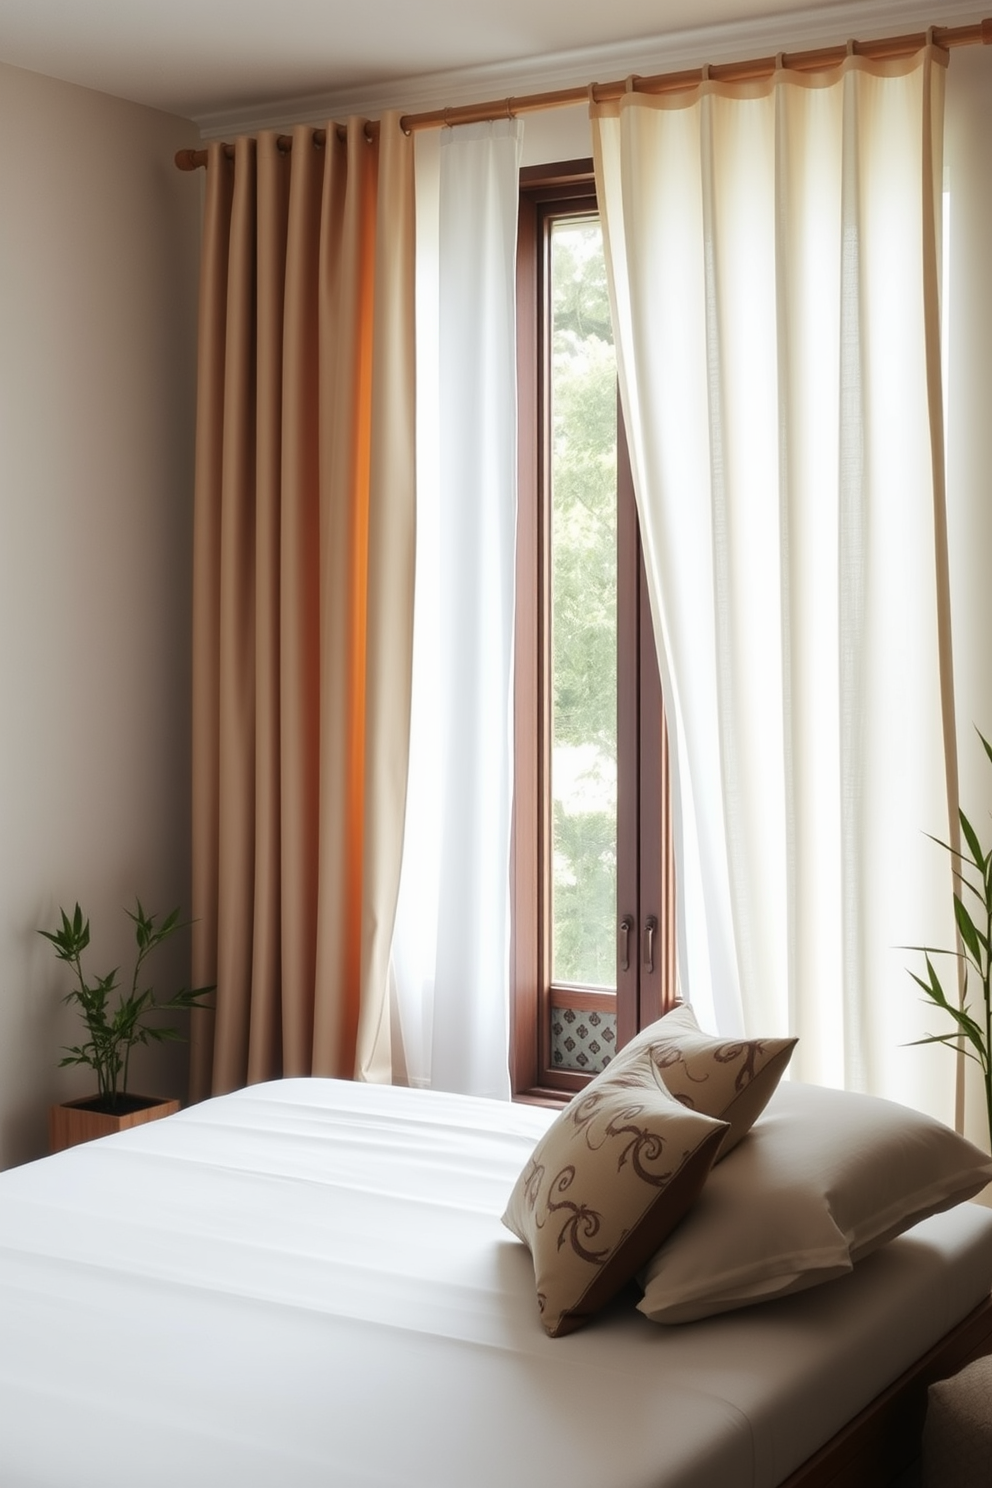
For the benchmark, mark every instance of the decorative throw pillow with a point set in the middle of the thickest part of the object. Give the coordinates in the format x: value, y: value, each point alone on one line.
x: 825, y: 1177
x: 607, y: 1182
x: 728, y: 1078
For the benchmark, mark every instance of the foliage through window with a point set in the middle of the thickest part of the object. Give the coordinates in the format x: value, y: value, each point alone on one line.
x: 583, y: 606
x: 593, y: 903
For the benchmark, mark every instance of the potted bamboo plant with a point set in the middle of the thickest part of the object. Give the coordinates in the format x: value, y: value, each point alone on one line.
x: 114, y: 1027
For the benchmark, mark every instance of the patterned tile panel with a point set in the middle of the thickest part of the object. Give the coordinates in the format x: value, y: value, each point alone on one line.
x: 582, y: 1040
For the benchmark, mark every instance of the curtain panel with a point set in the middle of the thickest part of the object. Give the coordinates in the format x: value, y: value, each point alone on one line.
x: 303, y: 593
x: 773, y: 257
x: 451, y: 946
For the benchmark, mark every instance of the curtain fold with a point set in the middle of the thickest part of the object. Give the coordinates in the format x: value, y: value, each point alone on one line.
x: 451, y: 945
x: 773, y: 258
x: 303, y: 593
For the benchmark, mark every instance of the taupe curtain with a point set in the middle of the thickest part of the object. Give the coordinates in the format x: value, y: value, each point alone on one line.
x: 303, y: 593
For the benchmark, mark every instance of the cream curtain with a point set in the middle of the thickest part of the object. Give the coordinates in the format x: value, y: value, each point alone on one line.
x: 451, y: 945
x: 773, y: 255
x: 303, y: 591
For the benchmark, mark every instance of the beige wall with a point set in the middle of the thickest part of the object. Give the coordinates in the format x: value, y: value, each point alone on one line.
x: 98, y: 250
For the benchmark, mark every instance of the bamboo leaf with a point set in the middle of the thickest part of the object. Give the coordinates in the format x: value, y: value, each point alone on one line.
x: 170, y: 923
x: 979, y: 893
x: 971, y: 837
x: 966, y: 925
x: 950, y: 1039
x: 947, y: 847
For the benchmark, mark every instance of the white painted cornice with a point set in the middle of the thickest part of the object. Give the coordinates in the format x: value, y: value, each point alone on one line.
x: 766, y: 35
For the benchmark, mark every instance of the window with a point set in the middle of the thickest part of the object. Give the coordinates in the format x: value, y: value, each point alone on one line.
x: 593, y: 895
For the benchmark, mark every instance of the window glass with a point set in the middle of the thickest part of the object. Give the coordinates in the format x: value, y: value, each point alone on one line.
x: 583, y: 609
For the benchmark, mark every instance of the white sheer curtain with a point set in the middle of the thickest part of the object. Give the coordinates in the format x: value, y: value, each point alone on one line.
x: 773, y: 258
x: 451, y: 942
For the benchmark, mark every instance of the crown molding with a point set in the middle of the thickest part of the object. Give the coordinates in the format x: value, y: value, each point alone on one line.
x: 789, y: 31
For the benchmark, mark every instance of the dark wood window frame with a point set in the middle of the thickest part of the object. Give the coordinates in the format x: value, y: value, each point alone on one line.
x: 645, y: 874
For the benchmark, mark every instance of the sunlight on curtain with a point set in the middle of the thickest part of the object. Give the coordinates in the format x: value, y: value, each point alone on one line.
x: 774, y: 279
x: 303, y: 596
x: 451, y: 943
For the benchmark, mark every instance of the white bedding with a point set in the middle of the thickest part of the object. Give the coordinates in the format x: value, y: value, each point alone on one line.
x: 307, y: 1284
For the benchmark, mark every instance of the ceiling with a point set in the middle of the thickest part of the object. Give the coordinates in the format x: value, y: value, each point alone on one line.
x: 217, y: 61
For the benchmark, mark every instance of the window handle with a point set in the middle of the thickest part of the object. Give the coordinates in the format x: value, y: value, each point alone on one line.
x: 650, y: 926
x: 623, y: 941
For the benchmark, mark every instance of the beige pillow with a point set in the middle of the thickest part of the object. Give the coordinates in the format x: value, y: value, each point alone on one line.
x: 825, y: 1177
x: 606, y: 1183
x: 728, y: 1078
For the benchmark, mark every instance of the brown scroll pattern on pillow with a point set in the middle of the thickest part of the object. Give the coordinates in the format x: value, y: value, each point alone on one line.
x: 728, y: 1078
x: 748, y: 1054
x: 612, y: 1175
x: 643, y: 1140
x: 645, y: 1146
x: 580, y: 1218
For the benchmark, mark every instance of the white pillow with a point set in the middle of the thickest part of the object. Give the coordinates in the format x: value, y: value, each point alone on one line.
x: 824, y: 1177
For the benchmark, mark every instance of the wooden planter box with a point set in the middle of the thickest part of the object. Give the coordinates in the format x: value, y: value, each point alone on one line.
x: 77, y: 1121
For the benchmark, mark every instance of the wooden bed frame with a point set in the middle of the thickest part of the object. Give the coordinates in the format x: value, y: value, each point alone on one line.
x: 878, y: 1446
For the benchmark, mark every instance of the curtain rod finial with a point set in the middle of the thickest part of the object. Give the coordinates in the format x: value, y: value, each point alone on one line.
x: 190, y: 160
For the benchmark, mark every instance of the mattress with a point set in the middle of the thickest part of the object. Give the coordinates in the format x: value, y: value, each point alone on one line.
x: 307, y: 1283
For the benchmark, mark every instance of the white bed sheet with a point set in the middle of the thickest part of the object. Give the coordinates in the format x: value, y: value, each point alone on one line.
x: 307, y: 1284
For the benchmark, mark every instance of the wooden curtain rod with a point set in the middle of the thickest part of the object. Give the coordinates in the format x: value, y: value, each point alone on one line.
x: 886, y: 48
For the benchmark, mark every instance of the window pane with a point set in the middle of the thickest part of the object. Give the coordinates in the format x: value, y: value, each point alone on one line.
x: 583, y: 609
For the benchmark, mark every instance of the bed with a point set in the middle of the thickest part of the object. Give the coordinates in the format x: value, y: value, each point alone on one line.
x: 307, y: 1283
